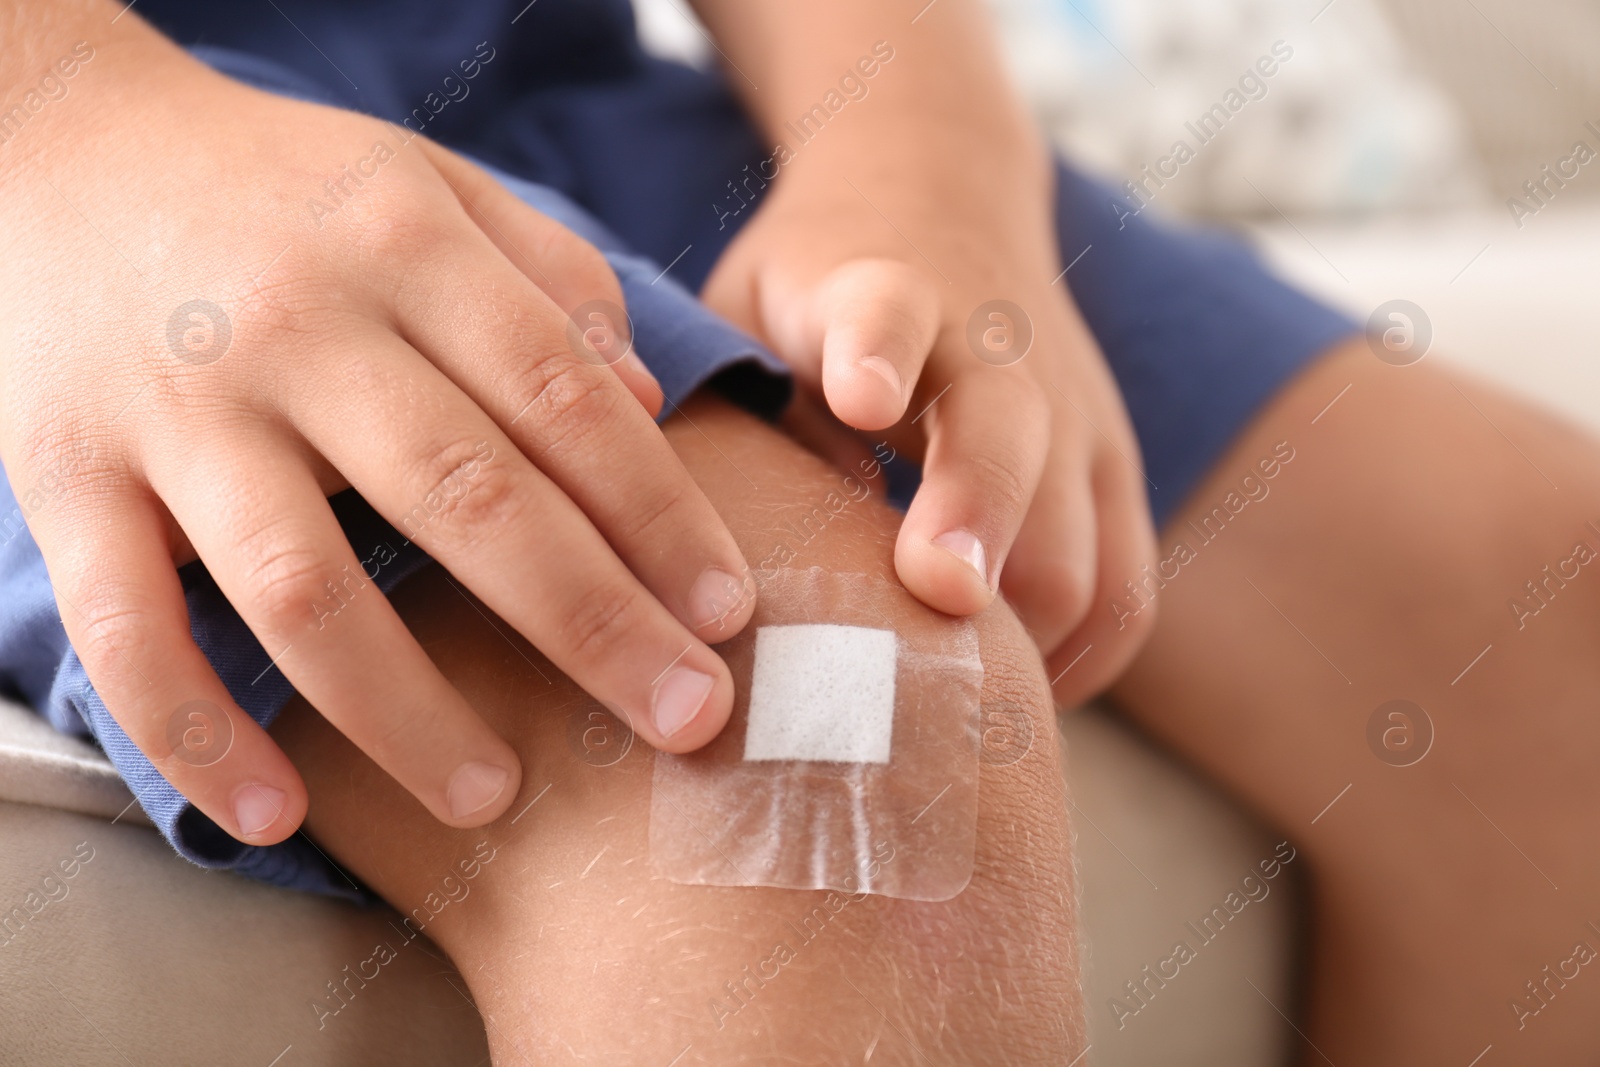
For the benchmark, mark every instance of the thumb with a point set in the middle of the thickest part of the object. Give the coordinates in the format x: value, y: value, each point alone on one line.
x: 858, y: 334
x: 869, y: 326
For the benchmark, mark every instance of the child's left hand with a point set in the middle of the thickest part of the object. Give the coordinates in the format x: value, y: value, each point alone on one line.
x: 868, y: 274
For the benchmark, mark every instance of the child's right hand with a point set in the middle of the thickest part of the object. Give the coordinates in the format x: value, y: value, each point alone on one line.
x: 192, y: 357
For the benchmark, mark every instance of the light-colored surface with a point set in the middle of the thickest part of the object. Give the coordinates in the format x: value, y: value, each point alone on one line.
x: 1349, y: 122
x: 40, y: 766
x: 1512, y: 305
x: 822, y: 692
x: 1524, y: 73
x: 1158, y: 850
x: 1337, y: 117
x: 141, y: 958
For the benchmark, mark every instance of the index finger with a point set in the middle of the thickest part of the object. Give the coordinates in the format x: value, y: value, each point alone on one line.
x: 516, y: 359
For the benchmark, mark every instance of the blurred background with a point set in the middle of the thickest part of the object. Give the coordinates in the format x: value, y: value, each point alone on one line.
x: 1377, y: 165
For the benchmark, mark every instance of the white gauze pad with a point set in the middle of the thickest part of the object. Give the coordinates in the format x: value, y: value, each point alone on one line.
x: 851, y: 759
x: 822, y: 692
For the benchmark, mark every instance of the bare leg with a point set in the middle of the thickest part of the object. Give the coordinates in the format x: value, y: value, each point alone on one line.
x: 575, y: 952
x: 1380, y: 566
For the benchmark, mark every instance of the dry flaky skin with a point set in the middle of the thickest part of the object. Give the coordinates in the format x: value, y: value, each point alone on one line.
x: 576, y: 952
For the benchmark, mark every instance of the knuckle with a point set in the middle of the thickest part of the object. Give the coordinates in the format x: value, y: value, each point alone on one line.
x: 64, y: 452
x: 1003, y: 474
x: 1029, y: 402
x: 284, y: 586
x: 897, y: 299
x: 406, y: 249
x: 491, y: 501
x: 64, y: 493
x: 395, y: 225
x: 575, y: 261
x: 116, y: 627
x: 595, y: 621
x: 464, y: 492
x: 905, y: 285
x: 301, y: 303
x: 1010, y: 464
x: 664, y: 503
x: 586, y: 266
x: 882, y: 276
x: 1068, y: 582
x: 40, y: 440
x: 569, y: 399
x: 284, y: 311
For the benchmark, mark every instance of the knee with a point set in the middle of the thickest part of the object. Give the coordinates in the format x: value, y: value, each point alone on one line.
x: 1004, y: 949
x: 570, y: 930
x: 578, y: 929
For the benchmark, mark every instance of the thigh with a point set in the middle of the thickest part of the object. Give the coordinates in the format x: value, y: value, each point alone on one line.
x: 576, y: 951
x: 1387, y: 534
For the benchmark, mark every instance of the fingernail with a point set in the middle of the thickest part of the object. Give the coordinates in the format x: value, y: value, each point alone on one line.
x: 474, y: 787
x: 713, y: 596
x: 256, y: 807
x: 679, y: 698
x: 883, y: 369
x: 964, y: 544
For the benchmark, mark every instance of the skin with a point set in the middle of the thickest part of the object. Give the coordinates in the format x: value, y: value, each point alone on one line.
x: 414, y: 344
x: 391, y: 318
x: 1428, y: 915
x: 880, y: 240
x: 1415, y: 509
x: 567, y: 930
x: 1393, y: 542
x: 434, y: 291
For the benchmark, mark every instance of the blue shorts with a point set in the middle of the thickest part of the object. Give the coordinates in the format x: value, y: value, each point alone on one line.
x: 638, y: 156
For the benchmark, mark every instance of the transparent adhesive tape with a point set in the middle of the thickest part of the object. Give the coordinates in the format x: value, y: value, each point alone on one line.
x: 851, y: 759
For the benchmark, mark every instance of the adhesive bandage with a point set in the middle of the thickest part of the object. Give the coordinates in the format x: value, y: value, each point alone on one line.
x: 851, y: 759
x: 822, y: 692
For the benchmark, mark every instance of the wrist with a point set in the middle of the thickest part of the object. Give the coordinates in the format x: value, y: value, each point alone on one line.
x: 928, y: 182
x: 74, y: 79
x: 992, y: 153
x: 910, y: 153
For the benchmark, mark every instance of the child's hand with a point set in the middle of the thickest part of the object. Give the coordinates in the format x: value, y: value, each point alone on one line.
x: 201, y: 338
x: 865, y: 268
